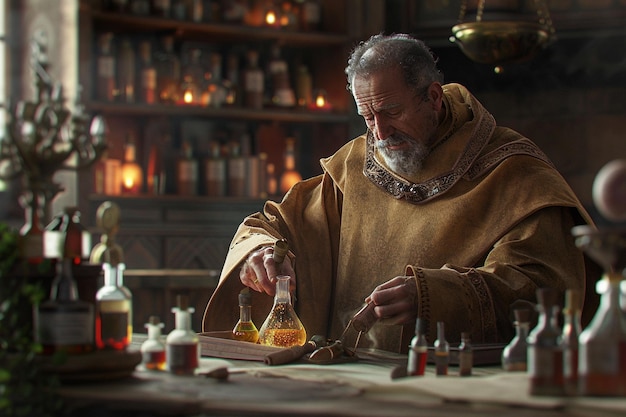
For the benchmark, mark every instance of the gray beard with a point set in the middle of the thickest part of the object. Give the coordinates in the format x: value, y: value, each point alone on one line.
x: 406, y: 162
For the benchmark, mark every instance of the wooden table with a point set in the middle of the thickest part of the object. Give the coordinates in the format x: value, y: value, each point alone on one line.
x: 361, y: 388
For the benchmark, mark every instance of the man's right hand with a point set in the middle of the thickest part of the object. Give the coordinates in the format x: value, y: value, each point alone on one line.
x: 259, y: 271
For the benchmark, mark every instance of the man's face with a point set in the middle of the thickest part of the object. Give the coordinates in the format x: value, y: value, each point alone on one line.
x: 403, y: 123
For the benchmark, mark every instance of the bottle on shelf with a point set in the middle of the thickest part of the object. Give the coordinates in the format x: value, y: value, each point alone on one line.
x: 140, y: 7
x: 131, y: 172
x: 153, y: 348
x: 147, y: 74
x: 290, y: 175
x: 192, y: 78
x: 162, y: 8
x: 569, y: 339
x: 545, y: 360
x: 418, y: 351
x: 232, y: 81
x: 126, y: 72
x: 310, y: 14
x: 214, y: 94
x: 182, y: 343
x: 253, y: 81
x: 187, y: 171
x: 515, y: 354
x: 168, y: 69
x: 466, y: 355
x: 179, y: 9
x: 64, y: 322
x: 602, y: 349
x: 279, y: 85
x: 244, y: 329
x: 105, y: 68
x: 113, y: 311
x: 442, y: 350
x: 282, y: 327
x: 236, y: 171
x: 215, y: 171
x: 272, y: 181
x: 304, y: 87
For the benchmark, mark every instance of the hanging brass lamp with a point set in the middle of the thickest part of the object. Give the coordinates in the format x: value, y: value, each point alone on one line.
x: 499, y: 42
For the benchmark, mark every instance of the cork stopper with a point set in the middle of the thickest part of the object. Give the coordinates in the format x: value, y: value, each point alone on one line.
x: 182, y: 302
x: 573, y: 300
x: 245, y: 298
x: 547, y: 297
x: 281, y: 247
x: 154, y: 320
x: 522, y: 315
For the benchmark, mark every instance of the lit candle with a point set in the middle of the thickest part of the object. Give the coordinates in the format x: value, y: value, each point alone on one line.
x: 321, y: 102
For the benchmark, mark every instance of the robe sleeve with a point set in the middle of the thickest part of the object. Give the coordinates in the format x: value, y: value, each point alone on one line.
x: 478, y: 299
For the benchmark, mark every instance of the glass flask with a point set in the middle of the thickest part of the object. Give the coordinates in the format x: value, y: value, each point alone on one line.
x: 442, y: 350
x: 545, y: 362
x: 153, y: 349
x: 466, y: 355
x: 245, y: 330
x: 418, y: 352
x: 514, y: 355
x: 602, y: 345
x: 182, y: 343
x: 282, y: 327
x: 113, y: 311
x: 569, y: 339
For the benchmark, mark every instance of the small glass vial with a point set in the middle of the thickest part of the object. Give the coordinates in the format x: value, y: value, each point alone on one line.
x: 515, y: 354
x: 602, y: 349
x: 545, y: 361
x: 245, y: 330
x: 113, y: 311
x: 182, y: 344
x: 569, y: 339
x: 418, y: 352
x: 153, y: 349
x: 282, y: 327
x: 442, y: 351
x: 466, y: 355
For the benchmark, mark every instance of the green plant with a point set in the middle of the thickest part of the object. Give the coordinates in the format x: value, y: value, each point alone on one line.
x: 24, y: 389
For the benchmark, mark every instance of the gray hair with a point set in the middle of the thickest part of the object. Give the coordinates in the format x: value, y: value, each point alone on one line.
x: 382, y: 52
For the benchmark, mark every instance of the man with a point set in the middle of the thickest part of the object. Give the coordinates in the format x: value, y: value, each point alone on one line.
x: 435, y: 212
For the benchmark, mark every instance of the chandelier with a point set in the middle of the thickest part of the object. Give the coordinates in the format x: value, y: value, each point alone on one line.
x: 499, y: 42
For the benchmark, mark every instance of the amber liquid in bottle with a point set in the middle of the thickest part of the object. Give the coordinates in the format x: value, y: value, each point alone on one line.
x: 282, y: 327
x: 245, y: 330
x: 182, y: 344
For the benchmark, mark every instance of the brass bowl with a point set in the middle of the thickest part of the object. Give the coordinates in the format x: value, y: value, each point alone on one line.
x: 499, y: 42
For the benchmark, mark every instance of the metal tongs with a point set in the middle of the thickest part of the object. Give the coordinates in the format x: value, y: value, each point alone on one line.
x: 362, y: 322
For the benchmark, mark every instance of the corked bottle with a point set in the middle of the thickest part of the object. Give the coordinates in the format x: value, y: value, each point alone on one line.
x: 514, y: 355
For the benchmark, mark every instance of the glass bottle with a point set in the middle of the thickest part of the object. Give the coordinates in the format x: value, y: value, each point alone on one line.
x: 602, y: 349
x: 304, y: 87
x: 147, y: 74
x: 545, y: 361
x: 192, y: 78
x: 272, y: 181
x: 113, y: 312
x: 310, y: 14
x: 236, y: 171
x: 569, y: 339
x: 282, y: 327
x: 245, y: 330
x: 105, y: 67
x: 132, y: 174
x: 418, y: 352
x: 232, y: 81
x: 514, y: 355
x: 290, y: 175
x: 466, y: 355
x: 168, y: 69
x: 442, y: 350
x: 215, y: 91
x: 153, y: 348
x: 126, y: 72
x: 187, y: 171
x: 215, y: 171
x: 253, y: 81
x: 182, y: 343
x: 279, y: 87
x: 161, y: 8
x: 64, y: 323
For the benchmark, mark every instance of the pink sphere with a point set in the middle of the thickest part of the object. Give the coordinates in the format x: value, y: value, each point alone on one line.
x: 609, y: 190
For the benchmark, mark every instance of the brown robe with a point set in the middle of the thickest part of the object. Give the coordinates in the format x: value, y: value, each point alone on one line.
x: 485, y: 224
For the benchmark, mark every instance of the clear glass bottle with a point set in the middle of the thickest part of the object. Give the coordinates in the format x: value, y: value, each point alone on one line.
x: 113, y: 312
x: 236, y: 170
x: 282, y: 327
x: 545, y: 360
x: 290, y: 175
x: 126, y: 72
x: 214, y: 94
x: 187, y: 171
x: 153, y: 348
x: 105, y: 68
x: 602, y: 349
x: 569, y: 339
x: 245, y: 330
x: 418, y: 352
x: 168, y: 69
x: 192, y: 78
x: 147, y: 74
x: 466, y: 355
x: 64, y: 323
x: 515, y: 354
x: 253, y: 81
x: 442, y: 350
x: 215, y: 171
x: 182, y: 343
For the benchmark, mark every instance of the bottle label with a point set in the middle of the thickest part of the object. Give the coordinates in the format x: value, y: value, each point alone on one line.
x: 182, y: 358
x: 187, y: 171
x: 254, y: 81
x: 106, y: 67
x: 63, y: 328
x: 149, y: 79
